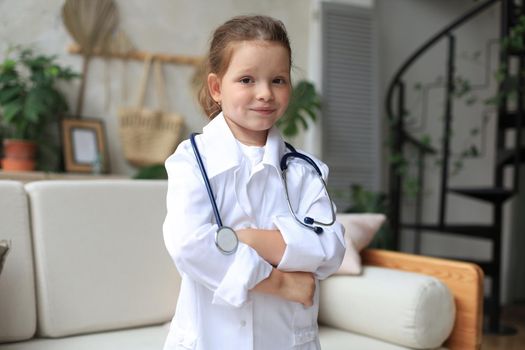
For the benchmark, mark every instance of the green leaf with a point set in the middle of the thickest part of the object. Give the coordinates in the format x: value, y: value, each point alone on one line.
x: 11, y: 110
x: 157, y: 171
x: 9, y: 75
x: 426, y: 140
x: 34, y: 106
x: 303, y: 121
x: 8, y: 65
x: 10, y: 93
x: 304, y: 103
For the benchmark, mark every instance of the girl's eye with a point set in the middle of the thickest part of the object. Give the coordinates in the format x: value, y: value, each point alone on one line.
x: 279, y: 81
x: 246, y: 80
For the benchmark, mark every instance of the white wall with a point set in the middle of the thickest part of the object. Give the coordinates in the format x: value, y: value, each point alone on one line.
x: 175, y: 27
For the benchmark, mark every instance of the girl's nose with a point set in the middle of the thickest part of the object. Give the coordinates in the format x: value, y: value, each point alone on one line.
x: 264, y: 92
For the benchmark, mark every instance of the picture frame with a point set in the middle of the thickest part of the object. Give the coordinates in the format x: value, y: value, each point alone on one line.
x: 84, y: 145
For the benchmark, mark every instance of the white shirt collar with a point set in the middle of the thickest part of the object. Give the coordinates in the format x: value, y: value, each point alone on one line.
x: 221, y: 151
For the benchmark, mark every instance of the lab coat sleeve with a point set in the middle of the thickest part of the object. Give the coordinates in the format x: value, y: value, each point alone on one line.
x: 189, y: 235
x: 305, y: 250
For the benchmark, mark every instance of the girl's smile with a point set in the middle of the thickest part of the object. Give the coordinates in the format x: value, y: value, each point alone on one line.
x: 264, y: 110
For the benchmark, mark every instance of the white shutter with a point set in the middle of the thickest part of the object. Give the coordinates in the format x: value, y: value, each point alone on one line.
x: 349, y: 122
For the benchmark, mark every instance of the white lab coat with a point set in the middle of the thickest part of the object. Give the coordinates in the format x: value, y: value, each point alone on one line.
x: 215, y: 308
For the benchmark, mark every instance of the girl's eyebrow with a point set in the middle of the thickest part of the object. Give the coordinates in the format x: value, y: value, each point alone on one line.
x: 251, y: 69
x: 247, y: 72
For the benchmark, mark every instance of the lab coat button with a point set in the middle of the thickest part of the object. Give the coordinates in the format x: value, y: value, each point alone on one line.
x: 243, y: 323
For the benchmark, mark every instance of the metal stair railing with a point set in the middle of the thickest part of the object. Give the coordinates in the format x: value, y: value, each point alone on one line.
x: 497, y: 195
x: 401, y: 137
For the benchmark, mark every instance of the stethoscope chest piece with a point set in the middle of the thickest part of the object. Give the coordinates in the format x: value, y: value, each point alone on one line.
x: 226, y: 240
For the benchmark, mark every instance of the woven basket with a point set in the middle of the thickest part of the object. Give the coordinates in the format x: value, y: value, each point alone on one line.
x: 149, y: 136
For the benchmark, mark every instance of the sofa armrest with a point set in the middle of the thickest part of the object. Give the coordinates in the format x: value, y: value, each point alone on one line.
x: 408, y: 309
x: 465, y: 281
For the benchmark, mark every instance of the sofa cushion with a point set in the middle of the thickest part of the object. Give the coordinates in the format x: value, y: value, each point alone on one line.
x: 336, y: 339
x: 360, y: 230
x: 153, y: 338
x: 101, y: 263
x: 408, y: 309
x: 130, y: 339
x: 17, y: 287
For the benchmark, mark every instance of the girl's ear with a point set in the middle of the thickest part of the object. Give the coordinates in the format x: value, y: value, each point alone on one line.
x: 214, y: 86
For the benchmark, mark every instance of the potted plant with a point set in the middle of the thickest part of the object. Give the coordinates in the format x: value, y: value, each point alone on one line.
x: 304, y: 103
x: 29, y: 103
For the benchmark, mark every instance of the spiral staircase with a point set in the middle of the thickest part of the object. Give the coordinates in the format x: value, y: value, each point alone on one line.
x: 509, y: 119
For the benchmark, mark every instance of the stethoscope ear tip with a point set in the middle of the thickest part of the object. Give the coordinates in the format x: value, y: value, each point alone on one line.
x: 308, y: 220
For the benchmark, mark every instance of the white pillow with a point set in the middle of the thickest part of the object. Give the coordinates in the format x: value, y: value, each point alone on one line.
x: 359, y: 232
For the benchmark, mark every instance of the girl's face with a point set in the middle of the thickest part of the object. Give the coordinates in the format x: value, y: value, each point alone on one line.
x: 255, y: 89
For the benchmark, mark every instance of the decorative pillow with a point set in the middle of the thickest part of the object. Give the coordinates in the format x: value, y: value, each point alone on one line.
x: 359, y: 232
x: 4, y: 248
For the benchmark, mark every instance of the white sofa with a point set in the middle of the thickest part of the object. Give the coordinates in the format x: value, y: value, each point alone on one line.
x: 87, y: 269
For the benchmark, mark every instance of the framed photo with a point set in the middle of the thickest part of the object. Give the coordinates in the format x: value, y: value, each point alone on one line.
x: 84, y: 144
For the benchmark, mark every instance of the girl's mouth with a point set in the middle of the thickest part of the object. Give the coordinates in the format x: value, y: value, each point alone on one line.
x: 264, y: 110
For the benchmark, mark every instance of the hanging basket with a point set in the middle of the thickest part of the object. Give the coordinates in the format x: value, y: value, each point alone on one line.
x: 149, y: 136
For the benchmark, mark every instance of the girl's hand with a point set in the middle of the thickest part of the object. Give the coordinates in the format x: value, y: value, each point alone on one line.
x: 293, y: 286
x: 299, y: 287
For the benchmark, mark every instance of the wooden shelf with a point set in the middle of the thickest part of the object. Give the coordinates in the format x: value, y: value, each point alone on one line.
x: 142, y: 55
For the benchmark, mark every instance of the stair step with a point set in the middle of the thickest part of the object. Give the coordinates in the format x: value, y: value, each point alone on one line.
x: 470, y: 230
x: 489, y: 194
x: 516, y: 52
x: 510, y: 121
x: 507, y: 156
x: 486, y: 266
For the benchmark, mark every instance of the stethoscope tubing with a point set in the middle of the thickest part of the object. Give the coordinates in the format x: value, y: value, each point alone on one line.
x: 205, y: 178
x: 295, y: 154
x: 307, y: 222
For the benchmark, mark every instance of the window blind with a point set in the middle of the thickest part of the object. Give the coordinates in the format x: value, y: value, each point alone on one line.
x: 350, y: 125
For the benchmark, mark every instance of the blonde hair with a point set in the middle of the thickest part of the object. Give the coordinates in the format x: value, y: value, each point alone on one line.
x: 241, y: 28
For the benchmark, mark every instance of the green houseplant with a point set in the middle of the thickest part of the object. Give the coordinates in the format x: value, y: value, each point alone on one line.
x: 29, y: 103
x: 304, y: 103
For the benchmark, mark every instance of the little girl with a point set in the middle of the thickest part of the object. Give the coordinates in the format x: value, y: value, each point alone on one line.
x: 262, y: 295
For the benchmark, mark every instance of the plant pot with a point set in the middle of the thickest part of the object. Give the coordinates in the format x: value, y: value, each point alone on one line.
x: 19, y: 155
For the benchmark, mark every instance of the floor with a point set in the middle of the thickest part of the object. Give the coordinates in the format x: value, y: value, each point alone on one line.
x: 512, y: 316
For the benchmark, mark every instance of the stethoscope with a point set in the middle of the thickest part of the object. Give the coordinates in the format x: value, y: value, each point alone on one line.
x: 226, y: 239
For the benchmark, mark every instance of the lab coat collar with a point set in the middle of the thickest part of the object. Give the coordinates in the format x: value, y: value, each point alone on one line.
x: 274, y: 149
x: 222, y: 151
